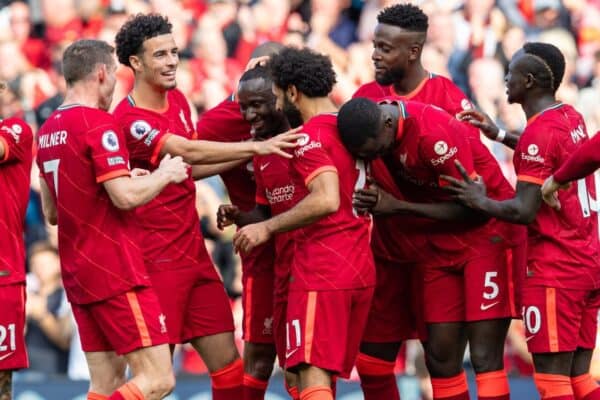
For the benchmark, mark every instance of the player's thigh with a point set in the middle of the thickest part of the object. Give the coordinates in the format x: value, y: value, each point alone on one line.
x: 489, y: 286
x: 152, y: 362
x: 257, y: 300
x: 552, y: 318
x: 217, y: 350
x: 13, y: 352
x: 589, y: 322
x: 392, y: 316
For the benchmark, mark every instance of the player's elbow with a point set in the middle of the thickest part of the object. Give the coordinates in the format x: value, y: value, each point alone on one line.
x: 124, y: 201
x: 330, y: 204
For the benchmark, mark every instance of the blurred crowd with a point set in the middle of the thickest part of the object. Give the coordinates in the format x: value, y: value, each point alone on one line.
x: 470, y: 41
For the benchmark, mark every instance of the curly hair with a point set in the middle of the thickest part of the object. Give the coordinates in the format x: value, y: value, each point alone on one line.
x: 550, y: 64
x: 357, y: 121
x: 405, y: 16
x: 310, y: 72
x: 132, y: 35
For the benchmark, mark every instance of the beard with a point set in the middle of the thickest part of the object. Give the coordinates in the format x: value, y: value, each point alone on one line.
x: 390, y: 77
x: 292, y: 114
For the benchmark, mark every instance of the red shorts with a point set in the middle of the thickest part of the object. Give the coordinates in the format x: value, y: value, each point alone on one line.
x: 122, y: 323
x: 279, y: 333
x: 394, y: 312
x: 13, y: 352
x: 194, y: 305
x: 559, y: 320
x: 517, y: 256
x: 325, y: 328
x: 480, y: 289
x: 257, y: 298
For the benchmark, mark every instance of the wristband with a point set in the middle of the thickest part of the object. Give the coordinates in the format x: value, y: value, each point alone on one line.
x: 500, y: 136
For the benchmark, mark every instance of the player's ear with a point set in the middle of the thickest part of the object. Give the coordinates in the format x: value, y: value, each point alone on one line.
x: 102, y: 72
x: 292, y: 93
x: 529, y: 80
x: 135, y: 62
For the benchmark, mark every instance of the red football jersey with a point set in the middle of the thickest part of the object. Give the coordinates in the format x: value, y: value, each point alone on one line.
x: 79, y: 148
x: 170, y: 227
x: 334, y: 252
x: 584, y: 161
x: 15, y: 172
x: 225, y: 123
x: 562, y: 245
x: 398, y: 238
x: 275, y: 189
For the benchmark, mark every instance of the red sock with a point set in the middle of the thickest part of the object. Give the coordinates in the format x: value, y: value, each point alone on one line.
x: 254, y: 389
x: 492, y: 385
x: 554, y: 387
x: 585, y: 387
x: 317, y: 393
x: 96, y: 396
x: 292, y: 391
x: 453, y: 388
x: 377, y: 378
x: 227, y: 382
x: 128, y: 391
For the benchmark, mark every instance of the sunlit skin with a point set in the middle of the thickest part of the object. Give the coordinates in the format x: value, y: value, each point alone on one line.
x: 396, y: 57
x: 516, y: 79
x: 107, y: 86
x: 157, y: 64
x: 257, y: 105
x: 283, y: 104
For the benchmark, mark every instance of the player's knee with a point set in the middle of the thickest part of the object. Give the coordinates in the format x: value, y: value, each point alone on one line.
x: 486, y: 358
x: 164, y: 385
x: 443, y: 362
x: 261, y: 367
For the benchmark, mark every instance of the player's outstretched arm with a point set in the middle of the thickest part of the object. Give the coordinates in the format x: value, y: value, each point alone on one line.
x: 323, y: 199
x: 521, y: 209
x: 48, y: 206
x: 488, y: 127
x: 229, y: 214
x: 201, y: 171
x: 209, y: 152
x: 379, y: 202
x: 583, y: 162
x: 127, y: 193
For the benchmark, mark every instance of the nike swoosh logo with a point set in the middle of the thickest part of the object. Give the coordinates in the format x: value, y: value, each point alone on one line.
x: 11, y: 353
x: 262, y: 167
x: 485, y: 307
x: 291, y: 353
x: 528, y: 338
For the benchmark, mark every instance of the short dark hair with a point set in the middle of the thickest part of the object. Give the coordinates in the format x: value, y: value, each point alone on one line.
x: 550, y: 66
x: 81, y: 58
x: 312, y: 73
x: 255, y: 73
x: 139, y: 28
x: 405, y: 16
x: 358, y: 120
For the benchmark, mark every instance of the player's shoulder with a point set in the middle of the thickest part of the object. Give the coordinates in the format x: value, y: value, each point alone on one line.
x: 319, y: 124
x: 448, y: 91
x: 16, y: 126
x: 372, y: 90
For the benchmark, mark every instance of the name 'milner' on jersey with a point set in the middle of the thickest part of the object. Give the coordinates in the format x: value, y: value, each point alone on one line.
x: 79, y: 148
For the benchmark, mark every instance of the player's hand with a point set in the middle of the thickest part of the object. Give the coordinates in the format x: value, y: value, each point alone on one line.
x: 481, y: 121
x: 253, y: 62
x: 250, y: 236
x: 174, y: 167
x: 471, y: 193
x: 36, y: 306
x: 364, y: 200
x: 277, y: 144
x: 550, y: 192
x: 137, y: 172
x: 226, y: 215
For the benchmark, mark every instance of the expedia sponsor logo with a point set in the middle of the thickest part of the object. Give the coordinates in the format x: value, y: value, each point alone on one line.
x: 445, y: 157
x: 14, y: 131
x: 280, y: 194
x: 303, y: 140
x: 535, y: 158
x: 312, y: 145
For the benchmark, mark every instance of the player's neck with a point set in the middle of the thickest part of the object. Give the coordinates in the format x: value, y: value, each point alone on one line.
x: 536, y: 105
x: 411, y: 80
x: 149, y: 97
x: 85, y: 95
x: 311, y: 107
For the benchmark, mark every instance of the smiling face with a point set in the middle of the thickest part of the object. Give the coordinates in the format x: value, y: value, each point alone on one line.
x: 257, y: 105
x: 158, y: 61
x: 394, y: 49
